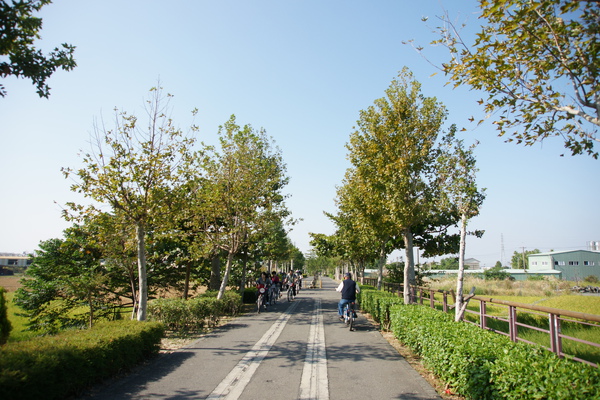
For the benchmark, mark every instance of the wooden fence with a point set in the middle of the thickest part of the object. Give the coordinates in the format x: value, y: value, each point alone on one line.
x: 516, y: 315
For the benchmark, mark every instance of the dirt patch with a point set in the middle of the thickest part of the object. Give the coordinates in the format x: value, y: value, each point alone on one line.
x: 10, y: 283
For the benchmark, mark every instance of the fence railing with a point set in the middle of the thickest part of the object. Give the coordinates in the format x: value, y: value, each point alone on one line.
x: 515, y: 321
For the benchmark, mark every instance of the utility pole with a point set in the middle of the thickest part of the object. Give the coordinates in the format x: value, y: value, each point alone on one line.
x: 523, y: 258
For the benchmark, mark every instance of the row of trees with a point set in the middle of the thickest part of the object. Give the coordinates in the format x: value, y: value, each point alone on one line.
x: 409, y: 184
x: 164, y: 209
x: 519, y: 260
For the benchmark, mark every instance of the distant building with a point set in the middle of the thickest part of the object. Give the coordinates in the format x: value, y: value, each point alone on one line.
x: 11, y: 263
x: 14, y: 260
x: 574, y: 265
x: 471, y: 263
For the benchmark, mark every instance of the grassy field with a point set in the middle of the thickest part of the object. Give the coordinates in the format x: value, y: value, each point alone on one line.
x: 19, y: 324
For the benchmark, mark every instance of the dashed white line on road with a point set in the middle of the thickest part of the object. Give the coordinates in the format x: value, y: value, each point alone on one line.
x: 235, y: 382
x: 314, y: 383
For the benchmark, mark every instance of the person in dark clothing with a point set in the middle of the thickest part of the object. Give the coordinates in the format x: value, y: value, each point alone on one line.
x: 348, y: 288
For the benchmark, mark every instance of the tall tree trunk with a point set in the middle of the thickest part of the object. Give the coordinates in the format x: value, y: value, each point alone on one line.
x: 409, y: 266
x: 244, y: 272
x: 226, y: 276
x: 143, y: 278
x: 215, y: 272
x: 459, y: 309
x: 186, y: 287
x: 381, y: 263
x: 134, y: 294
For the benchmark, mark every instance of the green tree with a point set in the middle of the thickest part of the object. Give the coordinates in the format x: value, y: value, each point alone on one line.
x: 537, y: 60
x: 448, y: 263
x: 520, y: 260
x: 395, y: 272
x: 316, y: 263
x: 496, y: 274
x: 393, y: 152
x: 66, y: 276
x: 136, y: 171
x: 244, y: 191
x: 359, y: 236
x: 457, y: 174
x: 19, y: 58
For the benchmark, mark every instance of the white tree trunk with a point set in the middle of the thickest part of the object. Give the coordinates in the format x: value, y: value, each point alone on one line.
x: 409, y: 265
x: 381, y: 264
x: 226, y: 276
x: 459, y: 309
x: 143, y: 277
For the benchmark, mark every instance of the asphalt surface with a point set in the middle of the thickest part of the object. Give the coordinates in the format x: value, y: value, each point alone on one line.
x: 295, y: 350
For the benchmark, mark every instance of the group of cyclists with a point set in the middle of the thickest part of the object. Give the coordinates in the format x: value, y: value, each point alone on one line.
x: 273, y: 286
x: 270, y: 289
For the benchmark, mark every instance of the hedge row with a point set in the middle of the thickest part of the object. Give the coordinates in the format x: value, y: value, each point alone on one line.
x: 482, y: 365
x: 55, y: 367
x: 194, y: 314
x: 378, y: 303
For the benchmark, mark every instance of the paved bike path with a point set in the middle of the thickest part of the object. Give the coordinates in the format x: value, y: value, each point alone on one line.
x: 297, y: 350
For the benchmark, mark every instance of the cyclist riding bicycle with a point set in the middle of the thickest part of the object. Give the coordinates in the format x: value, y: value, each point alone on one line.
x: 275, y: 284
x: 299, y: 280
x: 348, y: 288
x: 290, y: 280
x: 263, y: 282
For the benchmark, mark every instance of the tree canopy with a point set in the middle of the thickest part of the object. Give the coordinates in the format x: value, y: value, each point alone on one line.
x: 244, y: 196
x: 538, y: 62
x: 18, y: 56
x: 134, y: 170
x: 389, y: 197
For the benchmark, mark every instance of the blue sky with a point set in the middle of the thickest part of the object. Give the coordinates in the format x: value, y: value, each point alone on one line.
x: 302, y: 70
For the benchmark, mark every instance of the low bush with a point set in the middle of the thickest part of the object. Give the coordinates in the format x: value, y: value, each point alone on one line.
x: 483, y: 365
x: 369, y: 302
x: 5, y: 326
x: 197, y: 314
x: 384, y: 305
x: 249, y: 295
x: 56, y: 367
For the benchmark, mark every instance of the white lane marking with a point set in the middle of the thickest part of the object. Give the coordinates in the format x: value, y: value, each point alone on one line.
x: 314, y: 383
x: 234, y: 384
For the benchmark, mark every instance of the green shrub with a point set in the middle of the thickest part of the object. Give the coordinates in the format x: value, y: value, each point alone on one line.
x: 384, y: 305
x: 193, y: 314
x: 5, y: 326
x: 479, y: 364
x: 56, y: 367
x: 369, y: 302
x: 232, y: 303
x: 529, y: 372
x: 249, y: 295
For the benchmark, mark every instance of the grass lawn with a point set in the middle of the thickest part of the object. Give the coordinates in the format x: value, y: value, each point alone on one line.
x: 18, y: 323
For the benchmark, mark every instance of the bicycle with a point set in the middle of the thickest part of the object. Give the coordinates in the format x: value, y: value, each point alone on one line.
x: 273, y: 294
x: 349, y: 315
x: 260, y: 301
x: 290, y: 292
